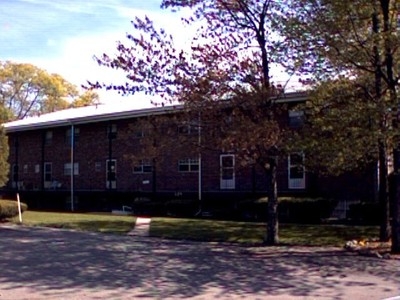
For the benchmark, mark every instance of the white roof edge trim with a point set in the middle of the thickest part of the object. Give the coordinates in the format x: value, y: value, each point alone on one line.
x: 35, y: 123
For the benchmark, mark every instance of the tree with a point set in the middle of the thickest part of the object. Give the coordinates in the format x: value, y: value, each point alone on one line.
x: 26, y: 90
x: 4, y: 166
x: 231, y: 59
x: 88, y: 98
x: 357, y: 40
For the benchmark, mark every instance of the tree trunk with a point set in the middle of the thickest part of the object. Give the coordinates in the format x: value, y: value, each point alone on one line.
x: 395, y: 216
x: 272, y: 237
x: 384, y: 203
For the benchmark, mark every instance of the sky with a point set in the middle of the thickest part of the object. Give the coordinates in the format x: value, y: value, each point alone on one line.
x: 62, y: 36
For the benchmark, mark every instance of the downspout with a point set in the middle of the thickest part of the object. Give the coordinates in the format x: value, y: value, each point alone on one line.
x: 200, y: 173
x: 109, y: 168
x: 72, y: 165
x: 42, y: 166
x: 16, y: 168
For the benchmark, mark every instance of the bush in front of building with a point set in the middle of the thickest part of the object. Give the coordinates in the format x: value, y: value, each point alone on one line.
x: 9, y: 209
x: 365, y: 213
x: 291, y: 209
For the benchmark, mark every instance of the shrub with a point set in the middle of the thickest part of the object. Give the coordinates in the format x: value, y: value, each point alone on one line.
x: 9, y: 209
x: 291, y: 209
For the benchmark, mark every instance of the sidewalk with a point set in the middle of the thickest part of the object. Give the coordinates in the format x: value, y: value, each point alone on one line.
x: 142, y: 227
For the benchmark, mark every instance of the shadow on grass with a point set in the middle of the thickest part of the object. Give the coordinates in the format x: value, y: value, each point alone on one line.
x: 116, y: 227
x: 60, y: 264
x: 253, y: 233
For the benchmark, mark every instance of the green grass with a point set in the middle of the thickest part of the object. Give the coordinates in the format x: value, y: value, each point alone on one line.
x: 106, y: 223
x: 204, y: 230
x: 253, y: 233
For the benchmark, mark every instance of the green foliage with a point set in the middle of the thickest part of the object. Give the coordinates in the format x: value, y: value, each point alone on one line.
x: 4, y: 165
x: 87, y: 222
x: 342, y: 128
x: 253, y: 233
x: 26, y: 90
x: 9, y: 209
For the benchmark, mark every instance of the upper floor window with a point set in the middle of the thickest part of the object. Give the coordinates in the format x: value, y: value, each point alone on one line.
x: 48, y: 137
x: 188, y: 165
x: 296, y: 118
x: 189, y: 128
x: 68, y: 134
x: 112, y: 131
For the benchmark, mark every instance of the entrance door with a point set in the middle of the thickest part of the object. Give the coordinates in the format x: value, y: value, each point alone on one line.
x: 111, y: 174
x: 227, y: 171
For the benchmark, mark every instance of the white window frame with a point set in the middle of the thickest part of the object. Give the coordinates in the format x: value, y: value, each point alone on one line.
x: 77, y: 132
x: 67, y: 169
x: 112, y: 131
x: 192, y: 165
x: 48, y: 137
x: 189, y: 128
x: 47, y: 172
x: 296, y: 118
x: 144, y: 166
x: 227, y: 183
x: 113, y: 183
x: 295, y: 182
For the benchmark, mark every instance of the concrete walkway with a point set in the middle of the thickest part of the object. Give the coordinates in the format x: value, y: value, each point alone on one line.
x: 142, y: 227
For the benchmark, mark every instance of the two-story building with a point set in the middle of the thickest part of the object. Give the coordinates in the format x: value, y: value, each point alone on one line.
x: 88, y: 154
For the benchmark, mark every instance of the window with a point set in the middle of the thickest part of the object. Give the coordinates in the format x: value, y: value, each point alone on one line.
x: 296, y: 118
x: 67, y: 169
x: 25, y: 169
x: 227, y: 172
x: 97, y: 166
x: 37, y: 168
x: 111, y: 174
x: 189, y: 128
x: 139, y: 134
x: 296, y: 172
x: 48, y: 137
x: 68, y: 135
x: 188, y: 165
x: 144, y: 166
x: 112, y: 131
x: 47, y: 171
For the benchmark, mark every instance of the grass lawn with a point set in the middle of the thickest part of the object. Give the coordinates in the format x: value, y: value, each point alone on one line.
x: 80, y: 221
x: 204, y: 230
x: 252, y: 233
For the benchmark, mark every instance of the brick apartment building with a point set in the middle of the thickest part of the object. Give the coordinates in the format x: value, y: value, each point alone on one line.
x: 83, y: 154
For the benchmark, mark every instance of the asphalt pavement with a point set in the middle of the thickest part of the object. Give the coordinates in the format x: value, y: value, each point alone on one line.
x: 44, y: 263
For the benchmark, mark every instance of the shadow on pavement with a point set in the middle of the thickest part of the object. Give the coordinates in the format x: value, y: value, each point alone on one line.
x: 54, y: 263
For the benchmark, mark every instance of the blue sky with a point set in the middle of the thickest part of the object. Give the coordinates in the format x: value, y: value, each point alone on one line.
x: 62, y: 36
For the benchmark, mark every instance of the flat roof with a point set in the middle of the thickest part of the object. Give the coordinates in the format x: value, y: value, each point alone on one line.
x: 106, y: 112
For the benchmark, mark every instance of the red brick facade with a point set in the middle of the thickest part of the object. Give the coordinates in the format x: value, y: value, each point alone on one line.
x: 41, y: 154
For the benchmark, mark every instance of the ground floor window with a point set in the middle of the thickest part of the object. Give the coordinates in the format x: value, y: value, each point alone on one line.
x: 111, y: 174
x: 67, y: 169
x: 144, y: 166
x: 188, y: 165
x: 296, y: 174
x: 227, y: 171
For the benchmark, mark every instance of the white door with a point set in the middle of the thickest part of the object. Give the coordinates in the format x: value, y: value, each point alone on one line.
x: 111, y: 174
x: 227, y: 172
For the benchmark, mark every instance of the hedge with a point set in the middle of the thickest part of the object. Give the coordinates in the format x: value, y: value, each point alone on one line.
x: 9, y: 209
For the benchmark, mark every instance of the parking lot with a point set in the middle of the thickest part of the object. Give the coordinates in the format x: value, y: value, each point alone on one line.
x: 43, y: 263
